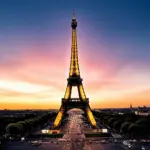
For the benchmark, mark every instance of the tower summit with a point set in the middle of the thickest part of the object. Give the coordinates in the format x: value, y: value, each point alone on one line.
x: 74, y: 22
x: 74, y: 79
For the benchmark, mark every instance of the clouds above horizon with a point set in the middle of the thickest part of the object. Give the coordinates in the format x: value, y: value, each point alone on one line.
x: 41, y: 77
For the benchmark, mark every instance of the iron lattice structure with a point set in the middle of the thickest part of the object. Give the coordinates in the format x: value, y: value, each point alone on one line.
x: 74, y: 80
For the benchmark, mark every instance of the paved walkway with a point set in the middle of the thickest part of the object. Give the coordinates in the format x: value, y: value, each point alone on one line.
x: 74, y: 132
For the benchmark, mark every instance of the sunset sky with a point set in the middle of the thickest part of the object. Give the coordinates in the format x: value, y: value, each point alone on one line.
x: 35, y: 48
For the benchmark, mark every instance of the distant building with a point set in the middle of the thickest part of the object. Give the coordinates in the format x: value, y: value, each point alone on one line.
x: 143, y: 111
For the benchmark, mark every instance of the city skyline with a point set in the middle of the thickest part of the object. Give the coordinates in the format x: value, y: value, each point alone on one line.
x: 35, y: 49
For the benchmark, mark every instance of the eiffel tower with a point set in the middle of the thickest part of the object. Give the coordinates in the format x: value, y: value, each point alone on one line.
x: 74, y: 80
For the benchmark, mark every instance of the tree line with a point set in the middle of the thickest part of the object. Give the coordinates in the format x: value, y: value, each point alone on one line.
x: 21, y: 125
x: 129, y: 125
x: 5, y: 120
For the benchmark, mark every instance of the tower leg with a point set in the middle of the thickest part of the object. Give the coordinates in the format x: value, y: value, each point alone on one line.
x: 90, y: 117
x: 59, y: 117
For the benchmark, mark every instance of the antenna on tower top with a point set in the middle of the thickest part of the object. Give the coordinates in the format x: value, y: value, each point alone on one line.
x: 73, y: 16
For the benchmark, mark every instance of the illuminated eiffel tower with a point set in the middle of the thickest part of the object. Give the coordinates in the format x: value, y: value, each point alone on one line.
x: 74, y: 80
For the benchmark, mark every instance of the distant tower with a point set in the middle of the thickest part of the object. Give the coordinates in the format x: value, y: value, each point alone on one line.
x: 74, y: 80
x: 131, y: 108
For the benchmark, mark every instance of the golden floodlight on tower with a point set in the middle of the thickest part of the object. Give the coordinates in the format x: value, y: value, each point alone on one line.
x: 74, y: 79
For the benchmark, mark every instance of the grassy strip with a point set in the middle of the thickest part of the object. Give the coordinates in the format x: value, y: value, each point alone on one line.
x: 46, y: 136
x: 97, y: 135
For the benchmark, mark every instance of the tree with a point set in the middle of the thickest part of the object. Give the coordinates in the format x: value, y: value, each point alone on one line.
x: 124, y: 127
x: 137, y: 130
x: 117, y: 125
x: 105, y: 119
x: 143, y: 121
x: 24, y: 125
x: 14, y: 129
x: 102, y: 116
x: 111, y: 121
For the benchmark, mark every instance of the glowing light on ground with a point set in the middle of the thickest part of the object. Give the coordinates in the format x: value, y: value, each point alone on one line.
x: 58, y: 118
x: 91, y: 117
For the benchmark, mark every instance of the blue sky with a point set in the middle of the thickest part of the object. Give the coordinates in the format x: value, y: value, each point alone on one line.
x: 125, y: 23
